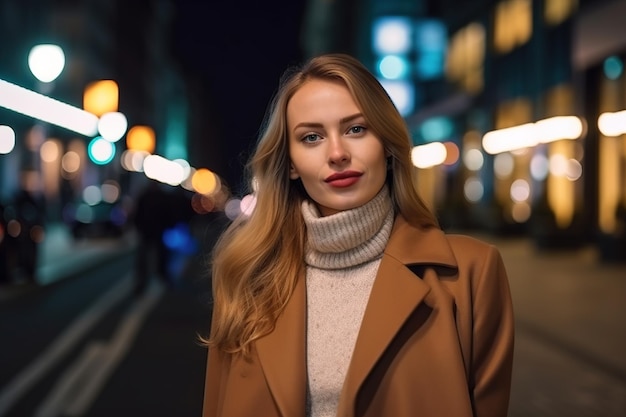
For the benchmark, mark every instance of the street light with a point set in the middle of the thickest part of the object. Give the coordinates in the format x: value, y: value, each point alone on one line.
x: 46, y: 62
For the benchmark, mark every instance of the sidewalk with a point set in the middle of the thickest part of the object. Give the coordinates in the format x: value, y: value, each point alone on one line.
x: 61, y: 256
x: 570, y: 314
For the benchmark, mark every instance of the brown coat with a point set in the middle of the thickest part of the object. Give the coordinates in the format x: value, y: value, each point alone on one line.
x: 436, y: 340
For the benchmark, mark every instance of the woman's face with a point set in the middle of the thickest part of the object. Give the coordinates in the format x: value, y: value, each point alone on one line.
x: 340, y: 161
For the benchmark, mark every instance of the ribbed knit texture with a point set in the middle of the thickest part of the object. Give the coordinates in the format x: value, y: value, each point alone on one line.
x: 342, y: 255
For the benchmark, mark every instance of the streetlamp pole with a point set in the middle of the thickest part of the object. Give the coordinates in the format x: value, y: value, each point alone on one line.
x: 46, y: 62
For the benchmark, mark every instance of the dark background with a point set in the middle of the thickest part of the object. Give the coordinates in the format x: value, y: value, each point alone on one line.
x: 238, y: 51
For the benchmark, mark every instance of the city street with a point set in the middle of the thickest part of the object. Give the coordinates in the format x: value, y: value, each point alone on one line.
x: 84, y: 346
x: 131, y: 132
x: 570, y: 332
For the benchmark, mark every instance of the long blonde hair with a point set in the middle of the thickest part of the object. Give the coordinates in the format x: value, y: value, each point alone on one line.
x: 259, y: 258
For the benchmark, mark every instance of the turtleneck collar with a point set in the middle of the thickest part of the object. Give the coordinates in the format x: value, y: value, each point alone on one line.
x: 348, y: 238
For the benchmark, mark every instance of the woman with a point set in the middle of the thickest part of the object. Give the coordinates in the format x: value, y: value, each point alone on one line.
x: 339, y: 295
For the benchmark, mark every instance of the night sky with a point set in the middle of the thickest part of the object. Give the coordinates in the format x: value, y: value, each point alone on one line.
x: 238, y: 49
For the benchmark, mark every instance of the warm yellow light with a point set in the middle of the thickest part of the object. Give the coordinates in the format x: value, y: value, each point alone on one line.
x: 556, y: 11
x: 530, y: 134
x: 133, y: 160
x: 510, y: 138
x: 559, y: 127
x: 520, y: 212
x: 466, y: 56
x: 204, y: 181
x: 513, y: 24
x: 70, y: 162
x: 452, y: 153
x: 612, y: 124
x: 429, y: 155
x: 50, y: 151
x: 101, y: 97
x: 141, y: 138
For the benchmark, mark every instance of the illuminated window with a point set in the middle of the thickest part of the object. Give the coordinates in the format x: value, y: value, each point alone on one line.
x: 557, y: 11
x: 466, y: 56
x: 513, y: 24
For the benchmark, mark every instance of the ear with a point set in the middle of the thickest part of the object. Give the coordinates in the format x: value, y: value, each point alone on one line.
x: 293, y: 174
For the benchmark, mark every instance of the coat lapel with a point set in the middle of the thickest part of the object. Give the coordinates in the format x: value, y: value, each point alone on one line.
x: 282, y: 356
x: 396, y: 292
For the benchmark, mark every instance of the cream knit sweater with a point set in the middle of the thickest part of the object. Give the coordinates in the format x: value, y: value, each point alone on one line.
x: 342, y: 256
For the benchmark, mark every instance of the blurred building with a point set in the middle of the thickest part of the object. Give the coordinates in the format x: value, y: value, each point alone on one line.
x: 129, y: 43
x: 464, y: 74
x: 129, y: 48
x: 459, y: 70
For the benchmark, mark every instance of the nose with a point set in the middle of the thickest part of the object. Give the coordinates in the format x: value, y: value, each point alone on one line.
x: 337, y: 151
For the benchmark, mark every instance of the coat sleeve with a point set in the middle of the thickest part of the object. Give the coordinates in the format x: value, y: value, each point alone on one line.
x: 493, y: 339
x: 217, y: 369
x: 212, y: 384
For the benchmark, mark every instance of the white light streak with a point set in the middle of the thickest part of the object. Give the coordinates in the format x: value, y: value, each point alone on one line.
x: 47, y: 109
x: 429, y: 155
x: 612, y: 124
x: 532, y: 134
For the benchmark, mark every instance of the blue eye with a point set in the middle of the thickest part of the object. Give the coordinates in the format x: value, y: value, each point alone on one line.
x: 356, y: 129
x: 310, y: 138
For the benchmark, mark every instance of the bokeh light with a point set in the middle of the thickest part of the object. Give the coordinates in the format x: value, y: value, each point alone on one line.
x: 520, y: 212
x: 452, y: 153
x: 503, y: 165
x: 7, y: 139
x: 101, y: 151
x: 520, y: 190
x: 50, y: 151
x: 46, y: 62
x: 232, y: 209
x: 429, y: 155
x: 204, y: 181
x: 473, y: 159
x: 247, y: 204
x: 539, y: 167
x: 473, y: 190
x: 110, y: 191
x: 112, y: 126
x: 92, y: 195
x: 70, y: 162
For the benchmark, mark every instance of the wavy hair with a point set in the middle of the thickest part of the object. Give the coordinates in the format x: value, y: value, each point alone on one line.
x: 258, y: 259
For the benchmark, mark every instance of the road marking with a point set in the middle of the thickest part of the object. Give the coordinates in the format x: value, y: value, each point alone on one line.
x: 36, y: 370
x: 81, y: 383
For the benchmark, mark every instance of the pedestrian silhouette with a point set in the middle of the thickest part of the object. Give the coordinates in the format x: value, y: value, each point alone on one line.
x: 25, y: 231
x: 152, y: 217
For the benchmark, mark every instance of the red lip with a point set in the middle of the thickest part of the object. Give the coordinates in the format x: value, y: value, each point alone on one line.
x: 343, y: 175
x: 343, y: 179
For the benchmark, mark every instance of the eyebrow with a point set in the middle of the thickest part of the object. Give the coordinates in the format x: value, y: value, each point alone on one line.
x: 343, y: 120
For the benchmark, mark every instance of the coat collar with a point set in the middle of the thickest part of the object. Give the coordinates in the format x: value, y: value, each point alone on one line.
x: 411, y: 245
x: 282, y: 353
